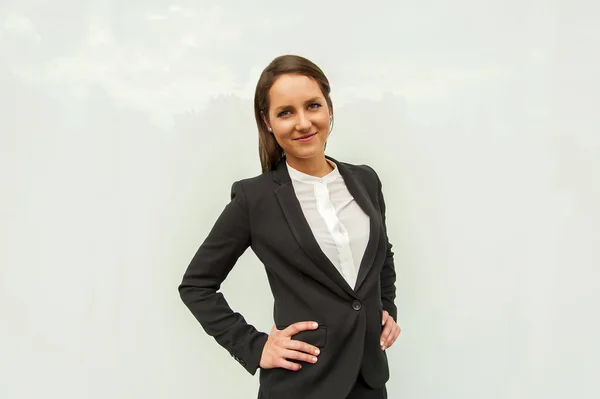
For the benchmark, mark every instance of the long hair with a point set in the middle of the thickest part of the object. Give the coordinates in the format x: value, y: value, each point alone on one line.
x: 270, y: 152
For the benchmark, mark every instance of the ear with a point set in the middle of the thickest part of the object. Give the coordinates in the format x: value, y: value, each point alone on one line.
x: 264, y: 118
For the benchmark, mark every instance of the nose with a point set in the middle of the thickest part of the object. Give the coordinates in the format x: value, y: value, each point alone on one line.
x: 303, y: 123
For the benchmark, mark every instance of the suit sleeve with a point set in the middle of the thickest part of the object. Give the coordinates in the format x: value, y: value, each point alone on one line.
x: 388, y: 272
x: 226, y: 242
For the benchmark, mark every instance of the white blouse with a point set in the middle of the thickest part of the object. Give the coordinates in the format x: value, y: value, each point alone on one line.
x: 338, y: 223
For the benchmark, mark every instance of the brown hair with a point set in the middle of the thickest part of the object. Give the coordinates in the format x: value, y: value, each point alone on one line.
x: 270, y: 152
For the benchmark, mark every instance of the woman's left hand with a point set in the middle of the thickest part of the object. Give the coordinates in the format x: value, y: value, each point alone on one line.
x: 391, y: 331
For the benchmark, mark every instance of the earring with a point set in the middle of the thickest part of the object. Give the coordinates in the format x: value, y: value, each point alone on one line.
x: 270, y: 130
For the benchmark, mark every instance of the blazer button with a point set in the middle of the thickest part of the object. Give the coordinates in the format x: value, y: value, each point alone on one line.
x: 356, y: 305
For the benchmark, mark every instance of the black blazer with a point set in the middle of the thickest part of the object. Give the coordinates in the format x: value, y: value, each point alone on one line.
x: 265, y: 214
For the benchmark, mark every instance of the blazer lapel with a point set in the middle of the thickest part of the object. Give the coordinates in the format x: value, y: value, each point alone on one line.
x: 359, y: 192
x: 295, y: 217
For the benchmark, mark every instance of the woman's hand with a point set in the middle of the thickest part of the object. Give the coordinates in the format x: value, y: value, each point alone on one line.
x: 280, y: 347
x: 391, y: 331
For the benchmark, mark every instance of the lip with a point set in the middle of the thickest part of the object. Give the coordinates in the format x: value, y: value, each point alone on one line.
x: 306, y: 137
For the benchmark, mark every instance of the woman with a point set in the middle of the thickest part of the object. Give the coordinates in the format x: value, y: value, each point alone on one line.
x: 318, y: 226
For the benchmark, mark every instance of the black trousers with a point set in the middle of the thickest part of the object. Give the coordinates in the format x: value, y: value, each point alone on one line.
x: 362, y: 391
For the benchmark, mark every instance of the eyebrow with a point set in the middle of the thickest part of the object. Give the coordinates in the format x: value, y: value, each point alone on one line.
x: 284, y: 107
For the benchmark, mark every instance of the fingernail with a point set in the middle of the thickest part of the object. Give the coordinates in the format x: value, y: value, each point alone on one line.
x: 317, y: 352
x: 315, y: 359
x: 381, y: 343
x: 383, y: 347
x: 315, y: 325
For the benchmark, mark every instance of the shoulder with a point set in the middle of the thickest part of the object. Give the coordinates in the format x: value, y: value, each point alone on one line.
x: 252, y: 185
x: 364, y: 172
x: 263, y: 179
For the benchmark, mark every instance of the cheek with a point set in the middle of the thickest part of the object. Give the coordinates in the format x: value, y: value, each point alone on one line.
x: 323, y: 119
x: 283, y: 129
x: 281, y: 136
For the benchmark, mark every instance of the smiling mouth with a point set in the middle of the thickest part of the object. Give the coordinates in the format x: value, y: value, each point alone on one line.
x: 306, y: 137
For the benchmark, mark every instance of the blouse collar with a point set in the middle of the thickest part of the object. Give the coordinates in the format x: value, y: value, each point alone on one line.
x: 305, y: 178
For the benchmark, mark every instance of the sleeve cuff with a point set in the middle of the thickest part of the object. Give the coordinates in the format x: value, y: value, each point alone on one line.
x: 249, y: 354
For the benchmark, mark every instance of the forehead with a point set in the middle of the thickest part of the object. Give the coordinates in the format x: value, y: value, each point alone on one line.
x: 293, y: 88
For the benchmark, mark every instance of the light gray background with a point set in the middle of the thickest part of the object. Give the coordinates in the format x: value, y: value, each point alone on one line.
x: 123, y: 125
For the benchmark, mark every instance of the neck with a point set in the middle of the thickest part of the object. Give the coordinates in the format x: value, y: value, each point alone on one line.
x: 318, y: 166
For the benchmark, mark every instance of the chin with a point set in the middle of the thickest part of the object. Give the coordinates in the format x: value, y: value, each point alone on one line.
x: 305, y: 150
x: 307, y: 154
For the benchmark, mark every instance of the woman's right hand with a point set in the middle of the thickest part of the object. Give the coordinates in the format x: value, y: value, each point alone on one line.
x: 281, y: 348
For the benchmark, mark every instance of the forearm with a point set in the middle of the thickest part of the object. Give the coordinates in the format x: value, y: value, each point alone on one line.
x: 388, y: 285
x: 242, y: 340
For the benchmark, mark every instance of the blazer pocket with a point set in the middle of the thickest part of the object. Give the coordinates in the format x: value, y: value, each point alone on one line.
x: 316, y: 337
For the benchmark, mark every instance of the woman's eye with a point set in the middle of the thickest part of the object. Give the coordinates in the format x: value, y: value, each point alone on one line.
x: 311, y: 106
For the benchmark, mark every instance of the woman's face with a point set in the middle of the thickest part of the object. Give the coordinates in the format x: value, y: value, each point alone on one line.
x: 299, y: 116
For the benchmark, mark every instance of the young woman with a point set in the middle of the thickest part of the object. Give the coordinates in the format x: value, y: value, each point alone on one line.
x: 318, y: 226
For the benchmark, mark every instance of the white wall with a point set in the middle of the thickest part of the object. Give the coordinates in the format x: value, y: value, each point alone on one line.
x: 123, y: 125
